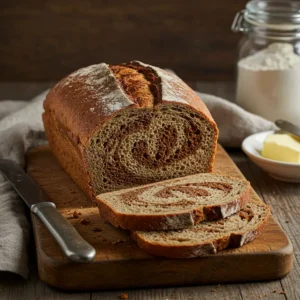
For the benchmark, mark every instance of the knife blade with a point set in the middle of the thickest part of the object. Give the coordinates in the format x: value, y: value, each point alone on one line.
x: 70, y: 241
x: 288, y: 127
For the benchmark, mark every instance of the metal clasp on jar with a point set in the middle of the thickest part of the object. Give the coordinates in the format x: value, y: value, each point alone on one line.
x: 238, y: 22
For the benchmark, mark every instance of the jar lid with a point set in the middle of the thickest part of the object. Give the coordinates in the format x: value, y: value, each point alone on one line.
x: 270, y: 14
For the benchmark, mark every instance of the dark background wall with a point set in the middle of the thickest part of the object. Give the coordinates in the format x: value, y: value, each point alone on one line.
x: 45, y: 40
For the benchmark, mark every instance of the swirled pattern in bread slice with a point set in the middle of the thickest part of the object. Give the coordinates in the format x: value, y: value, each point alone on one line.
x: 207, y: 237
x: 176, y: 203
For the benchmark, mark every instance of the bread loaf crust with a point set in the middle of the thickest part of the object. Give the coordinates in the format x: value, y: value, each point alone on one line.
x: 82, y: 103
x: 73, y: 101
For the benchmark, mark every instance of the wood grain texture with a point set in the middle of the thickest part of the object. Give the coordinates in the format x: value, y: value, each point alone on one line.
x: 13, y: 287
x: 46, y: 40
x: 120, y: 264
x: 287, y: 206
x: 247, y: 291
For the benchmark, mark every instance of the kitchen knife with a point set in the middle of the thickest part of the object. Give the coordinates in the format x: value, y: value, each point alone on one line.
x: 288, y: 127
x: 71, y: 243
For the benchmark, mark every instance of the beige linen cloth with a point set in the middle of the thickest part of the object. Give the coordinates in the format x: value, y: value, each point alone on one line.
x: 21, y: 128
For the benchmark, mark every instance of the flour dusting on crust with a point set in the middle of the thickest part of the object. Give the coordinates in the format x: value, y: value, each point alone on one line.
x: 100, y: 80
x: 173, y: 88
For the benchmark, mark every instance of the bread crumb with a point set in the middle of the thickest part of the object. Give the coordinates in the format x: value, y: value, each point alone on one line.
x: 275, y: 291
x: 123, y: 296
x: 117, y: 242
x: 282, y: 293
x: 259, y: 297
x: 76, y: 214
x: 96, y: 229
x: 213, y: 291
x: 85, y: 222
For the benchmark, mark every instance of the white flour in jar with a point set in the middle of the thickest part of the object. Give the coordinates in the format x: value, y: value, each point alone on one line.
x: 269, y: 83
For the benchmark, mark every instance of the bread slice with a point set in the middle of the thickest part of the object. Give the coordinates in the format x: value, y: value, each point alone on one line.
x: 176, y: 203
x: 207, y: 237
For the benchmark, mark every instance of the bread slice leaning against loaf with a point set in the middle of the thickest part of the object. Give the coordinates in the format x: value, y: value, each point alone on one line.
x: 207, y: 237
x: 176, y: 203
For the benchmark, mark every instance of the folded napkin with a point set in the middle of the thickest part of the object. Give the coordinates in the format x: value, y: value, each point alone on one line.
x: 21, y: 128
x: 234, y: 123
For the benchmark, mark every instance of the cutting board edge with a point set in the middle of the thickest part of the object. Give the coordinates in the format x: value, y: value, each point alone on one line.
x: 51, y: 269
x: 281, y: 261
x: 281, y: 264
x: 286, y: 250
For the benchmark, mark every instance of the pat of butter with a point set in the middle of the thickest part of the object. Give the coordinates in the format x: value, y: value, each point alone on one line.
x: 282, y: 147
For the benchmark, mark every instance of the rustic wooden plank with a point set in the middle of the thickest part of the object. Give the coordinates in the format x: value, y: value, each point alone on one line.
x: 265, y: 290
x: 14, y: 287
x: 207, y: 292
x: 241, y: 160
x: 272, y: 289
x: 265, y: 258
x: 45, y: 40
x: 284, y: 201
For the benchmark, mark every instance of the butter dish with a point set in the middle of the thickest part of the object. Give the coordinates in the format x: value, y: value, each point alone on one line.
x: 284, y: 171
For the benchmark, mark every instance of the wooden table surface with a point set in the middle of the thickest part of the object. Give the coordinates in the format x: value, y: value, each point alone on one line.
x: 284, y: 199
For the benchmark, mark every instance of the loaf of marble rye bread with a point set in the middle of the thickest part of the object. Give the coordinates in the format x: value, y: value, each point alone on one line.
x: 114, y: 127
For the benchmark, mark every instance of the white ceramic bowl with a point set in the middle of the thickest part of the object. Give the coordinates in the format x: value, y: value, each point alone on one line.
x: 283, y: 171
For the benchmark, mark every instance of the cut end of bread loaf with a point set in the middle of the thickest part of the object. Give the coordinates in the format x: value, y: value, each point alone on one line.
x: 207, y: 237
x: 149, y: 145
x: 176, y: 203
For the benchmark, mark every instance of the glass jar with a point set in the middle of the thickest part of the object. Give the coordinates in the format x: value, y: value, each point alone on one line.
x: 268, y: 77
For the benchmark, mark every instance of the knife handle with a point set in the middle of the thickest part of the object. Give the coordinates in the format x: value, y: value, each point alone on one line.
x: 69, y: 240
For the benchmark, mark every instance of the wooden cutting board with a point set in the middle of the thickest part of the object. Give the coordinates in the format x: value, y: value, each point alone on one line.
x: 119, y: 263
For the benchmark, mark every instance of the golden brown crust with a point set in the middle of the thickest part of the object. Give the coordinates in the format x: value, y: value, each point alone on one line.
x: 67, y: 152
x: 146, y: 222
x: 233, y: 240
x: 76, y: 101
x: 173, y: 221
